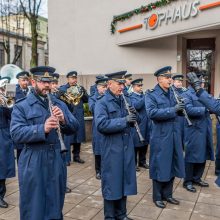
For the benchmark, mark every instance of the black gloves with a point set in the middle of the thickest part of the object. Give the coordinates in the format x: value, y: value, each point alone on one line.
x: 131, y: 118
x: 179, y: 107
x: 194, y: 81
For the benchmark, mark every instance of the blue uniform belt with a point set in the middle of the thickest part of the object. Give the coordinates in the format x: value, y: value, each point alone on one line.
x: 42, y: 146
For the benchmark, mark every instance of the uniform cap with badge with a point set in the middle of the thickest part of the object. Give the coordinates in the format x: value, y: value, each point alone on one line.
x: 23, y: 75
x: 178, y: 77
x: 117, y: 76
x: 165, y: 71
x: 42, y: 73
x: 102, y: 81
x: 56, y: 77
x: 138, y: 81
x: 71, y: 74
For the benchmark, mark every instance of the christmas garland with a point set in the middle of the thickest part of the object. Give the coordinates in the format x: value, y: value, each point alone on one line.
x: 141, y: 10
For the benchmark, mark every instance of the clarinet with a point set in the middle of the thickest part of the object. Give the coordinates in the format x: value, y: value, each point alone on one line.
x: 63, y: 147
x: 180, y: 100
x: 135, y: 124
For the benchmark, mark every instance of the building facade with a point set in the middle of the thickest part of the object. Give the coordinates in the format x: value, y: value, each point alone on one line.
x: 95, y: 37
x: 18, y: 34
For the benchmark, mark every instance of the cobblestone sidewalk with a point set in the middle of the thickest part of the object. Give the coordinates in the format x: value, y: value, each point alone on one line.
x: 85, y: 201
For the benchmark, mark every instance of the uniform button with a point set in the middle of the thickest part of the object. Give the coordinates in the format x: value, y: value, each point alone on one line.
x: 35, y: 131
x: 126, y: 147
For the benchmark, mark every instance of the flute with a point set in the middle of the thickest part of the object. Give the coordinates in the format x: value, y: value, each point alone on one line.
x: 135, y: 124
x: 62, y: 145
x: 180, y: 100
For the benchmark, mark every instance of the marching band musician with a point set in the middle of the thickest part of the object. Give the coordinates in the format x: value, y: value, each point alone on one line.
x: 7, y: 161
x: 101, y: 85
x: 128, y: 79
x: 21, y: 92
x: 54, y: 91
x: 41, y: 171
x: 93, y: 88
x: 179, y: 89
x: 78, y: 111
x: 118, y: 174
x: 138, y: 101
x: 166, y: 155
x: 212, y: 104
x: 198, y: 139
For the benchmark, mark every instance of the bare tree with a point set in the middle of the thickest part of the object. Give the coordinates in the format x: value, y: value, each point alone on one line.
x: 10, y: 25
x: 31, y: 10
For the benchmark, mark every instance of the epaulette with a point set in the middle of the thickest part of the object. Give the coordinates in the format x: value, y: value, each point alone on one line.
x: 99, y: 97
x: 150, y: 90
x: 184, y: 89
x: 21, y: 99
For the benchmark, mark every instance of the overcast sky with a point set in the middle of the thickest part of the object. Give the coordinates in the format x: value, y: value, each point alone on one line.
x: 43, y: 11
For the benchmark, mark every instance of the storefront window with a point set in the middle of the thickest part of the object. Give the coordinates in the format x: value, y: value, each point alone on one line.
x: 200, y: 58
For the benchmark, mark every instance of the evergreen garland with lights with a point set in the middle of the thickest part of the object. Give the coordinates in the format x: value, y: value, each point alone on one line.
x: 141, y: 10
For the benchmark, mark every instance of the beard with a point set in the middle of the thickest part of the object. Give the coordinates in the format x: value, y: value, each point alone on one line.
x: 42, y: 92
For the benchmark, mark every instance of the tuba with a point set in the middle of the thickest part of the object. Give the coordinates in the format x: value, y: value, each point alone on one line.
x: 8, y: 88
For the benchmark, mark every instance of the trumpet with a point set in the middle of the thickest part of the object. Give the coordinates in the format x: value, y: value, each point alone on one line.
x: 5, y: 101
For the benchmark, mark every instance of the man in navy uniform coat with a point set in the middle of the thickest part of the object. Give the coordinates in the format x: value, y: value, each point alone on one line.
x: 138, y: 101
x: 21, y: 92
x: 41, y: 171
x: 212, y: 104
x: 198, y: 140
x: 7, y: 160
x: 101, y: 85
x: 128, y: 87
x: 166, y: 155
x: 179, y: 89
x: 78, y: 111
x: 118, y: 162
x: 93, y: 88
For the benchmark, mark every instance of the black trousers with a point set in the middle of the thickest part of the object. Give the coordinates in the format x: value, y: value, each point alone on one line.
x: 115, y: 209
x: 194, y: 172
x: 2, y: 188
x: 140, y: 155
x: 76, y: 150
x: 217, y: 166
x: 162, y: 190
x: 18, y: 154
x: 98, y: 163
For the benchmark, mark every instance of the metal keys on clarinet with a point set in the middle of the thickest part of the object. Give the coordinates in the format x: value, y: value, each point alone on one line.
x: 135, y: 124
x: 63, y: 147
x: 179, y: 100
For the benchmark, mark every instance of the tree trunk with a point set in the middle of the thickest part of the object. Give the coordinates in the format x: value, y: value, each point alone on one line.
x: 8, y: 51
x: 34, y: 56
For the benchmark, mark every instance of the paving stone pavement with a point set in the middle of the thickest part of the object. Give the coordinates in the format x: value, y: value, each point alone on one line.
x: 85, y: 201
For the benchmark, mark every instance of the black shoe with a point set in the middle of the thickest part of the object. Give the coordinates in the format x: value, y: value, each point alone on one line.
x: 98, y: 176
x: 160, y: 204
x: 126, y: 218
x: 173, y: 201
x: 201, y: 183
x: 67, y: 164
x: 190, y: 188
x: 3, y: 204
x: 68, y: 190
x: 78, y: 160
x: 137, y: 169
x: 217, y: 173
x: 145, y: 166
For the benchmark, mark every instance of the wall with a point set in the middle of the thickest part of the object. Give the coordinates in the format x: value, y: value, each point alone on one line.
x: 80, y: 39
